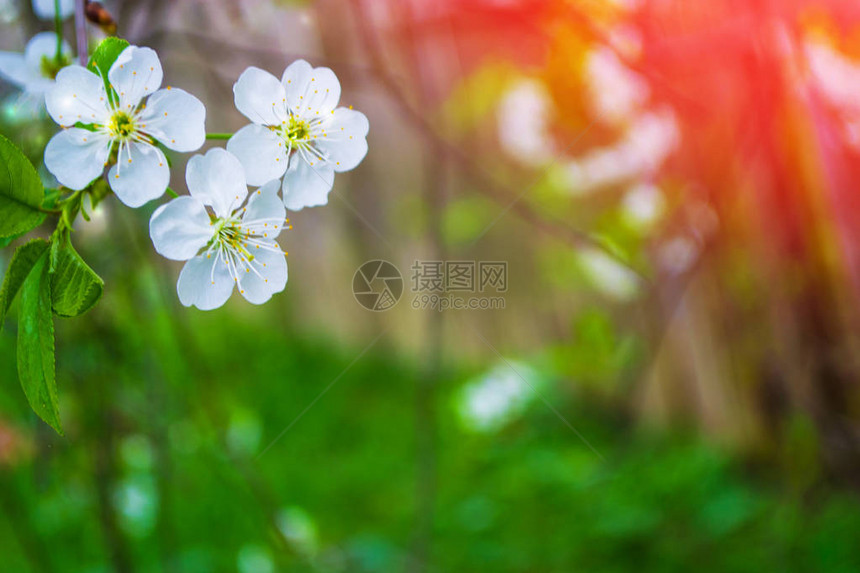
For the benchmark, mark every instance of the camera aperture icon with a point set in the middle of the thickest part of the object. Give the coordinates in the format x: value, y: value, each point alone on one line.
x: 377, y: 285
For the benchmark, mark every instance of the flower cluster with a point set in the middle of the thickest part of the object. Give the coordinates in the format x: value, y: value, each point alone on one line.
x: 299, y: 134
x: 122, y: 122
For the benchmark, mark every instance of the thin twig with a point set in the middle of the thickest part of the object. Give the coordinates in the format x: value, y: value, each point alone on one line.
x: 81, y: 31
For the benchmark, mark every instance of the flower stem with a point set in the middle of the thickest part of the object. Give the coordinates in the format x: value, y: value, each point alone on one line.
x: 58, y: 30
x: 221, y: 136
x: 171, y: 192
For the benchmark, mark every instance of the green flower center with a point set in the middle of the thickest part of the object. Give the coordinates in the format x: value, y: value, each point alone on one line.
x: 230, y: 235
x: 50, y: 67
x: 121, y: 125
x: 295, y: 130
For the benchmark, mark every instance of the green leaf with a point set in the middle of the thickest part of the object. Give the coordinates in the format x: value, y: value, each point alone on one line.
x: 75, y: 287
x: 22, y: 263
x: 21, y: 192
x: 36, y: 344
x: 106, y: 54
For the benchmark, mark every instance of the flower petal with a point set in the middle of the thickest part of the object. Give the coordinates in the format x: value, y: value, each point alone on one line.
x: 344, y: 143
x: 265, y: 211
x: 140, y: 175
x: 44, y: 45
x: 175, y: 118
x: 268, y: 275
x: 217, y: 179
x: 205, y: 283
x: 310, y: 91
x: 45, y: 9
x: 77, y: 95
x: 306, y: 185
x: 261, y: 152
x: 77, y: 156
x: 136, y: 73
x: 180, y: 228
x: 15, y: 69
x: 260, y: 97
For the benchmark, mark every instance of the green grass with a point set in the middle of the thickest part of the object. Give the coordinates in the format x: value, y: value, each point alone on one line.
x: 166, y: 410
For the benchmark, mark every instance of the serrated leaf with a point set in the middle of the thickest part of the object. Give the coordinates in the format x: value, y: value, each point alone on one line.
x: 75, y: 287
x: 106, y: 54
x: 19, y: 268
x: 21, y: 192
x: 36, y: 344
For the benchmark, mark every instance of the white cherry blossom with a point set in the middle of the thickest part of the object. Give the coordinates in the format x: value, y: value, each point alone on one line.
x: 34, y: 70
x: 297, y: 132
x: 46, y: 9
x: 128, y: 119
x: 225, y: 244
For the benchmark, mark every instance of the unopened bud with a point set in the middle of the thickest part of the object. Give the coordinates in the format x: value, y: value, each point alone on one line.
x: 98, y: 14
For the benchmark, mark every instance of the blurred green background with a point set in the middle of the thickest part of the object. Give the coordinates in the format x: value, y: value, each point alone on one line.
x: 672, y: 383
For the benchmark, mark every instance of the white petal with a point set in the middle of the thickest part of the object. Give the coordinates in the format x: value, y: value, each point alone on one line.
x: 180, y: 228
x: 140, y: 175
x: 270, y: 276
x: 265, y: 211
x: 205, y: 283
x: 306, y: 185
x: 310, y: 91
x: 217, y: 179
x: 45, y: 9
x: 344, y: 143
x: 175, y: 118
x: 260, y: 97
x: 26, y: 71
x: 262, y: 153
x: 136, y: 73
x: 44, y: 45
x: 15, y: 69
x: 77, y: 156
x: 77, y: 95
